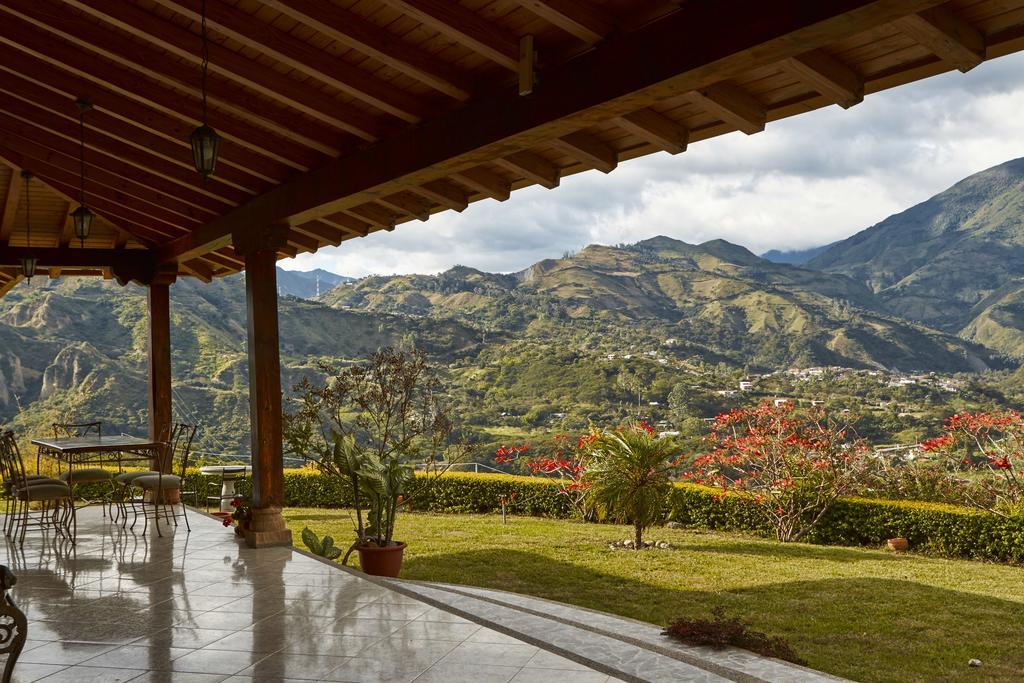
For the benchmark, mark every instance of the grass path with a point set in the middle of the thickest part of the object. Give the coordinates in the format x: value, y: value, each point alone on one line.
x: 864, y: 614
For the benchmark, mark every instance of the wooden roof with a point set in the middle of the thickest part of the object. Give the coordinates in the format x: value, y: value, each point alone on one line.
x: 344, y: 117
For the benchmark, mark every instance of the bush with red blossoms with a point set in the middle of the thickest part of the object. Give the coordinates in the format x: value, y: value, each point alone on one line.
x: 992, y: 446
x: 792, y: 464
x: 564, y: 458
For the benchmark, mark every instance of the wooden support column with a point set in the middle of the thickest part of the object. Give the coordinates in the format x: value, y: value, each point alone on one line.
x: 259, y: 247
x: 160, y: 414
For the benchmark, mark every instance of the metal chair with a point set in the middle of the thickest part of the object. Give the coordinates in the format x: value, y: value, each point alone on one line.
x: 157, y: 484
x: 57, y: 508
x: 85, y: 475
x: 237, y: 476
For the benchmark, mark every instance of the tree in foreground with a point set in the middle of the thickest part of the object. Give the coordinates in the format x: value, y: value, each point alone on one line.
x: 629, y: 476
x: 991, y: 447
x: 791, y: 464
x: 368, y: 425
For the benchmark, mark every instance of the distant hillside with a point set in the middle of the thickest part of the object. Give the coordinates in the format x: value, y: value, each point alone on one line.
x: 950, y: 262
x: 795, y: 257
x: 308, y: 284
x: 718, y: 299
x: 78, y: 348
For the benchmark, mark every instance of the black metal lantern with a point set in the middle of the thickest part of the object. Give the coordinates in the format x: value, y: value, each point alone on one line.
x: 204, y: 139
x: 82, y: 219
x: 82, y: 216
x: 28, y: 263
x: 205, y: 143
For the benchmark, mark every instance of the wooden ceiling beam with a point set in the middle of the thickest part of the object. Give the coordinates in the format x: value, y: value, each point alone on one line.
x: 230, y: 65
x: 576, y: 17
x: 285, y: 48
x: 828, y: 76
x: 139, y: 125
x: 656, y: 129
x: 322, y: 231
x: 375, y: 214
x: 443, y: 192
x: 12, y: 198
x: 198, y: 269
x: 10, y: 284
x: 533, y: 167
x: 66, y: 168
x: 686, y: 50
x: 350, y: 224
x: 53, y: 134
x: 118, y: 190
x: 587, y: 149
x: 72, y: 257
x: 406, y: 202
x: 223, y: 261
x: 465, y: 27
x: 732, y: 105
x: 66, y: 226
x: 168, y: 81
x: 302, y: 241
x: 485, y: 181
x: 352, y: 30
x: 949, y: 37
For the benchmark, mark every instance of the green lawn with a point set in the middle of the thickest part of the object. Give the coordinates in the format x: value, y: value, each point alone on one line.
x: 864, y: 614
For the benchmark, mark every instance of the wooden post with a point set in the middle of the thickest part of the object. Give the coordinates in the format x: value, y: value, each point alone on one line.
x: 259, y: 248
x: 160, y: 415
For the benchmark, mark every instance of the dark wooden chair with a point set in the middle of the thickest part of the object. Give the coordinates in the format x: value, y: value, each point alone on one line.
x: 13, y: 624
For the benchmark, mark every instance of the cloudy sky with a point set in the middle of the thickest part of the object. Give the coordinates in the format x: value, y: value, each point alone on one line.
x: 805, y: 181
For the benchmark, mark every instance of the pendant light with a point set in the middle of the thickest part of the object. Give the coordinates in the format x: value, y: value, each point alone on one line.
x: 28, y: 263
x: 82, y: 216
x: 204, y: 139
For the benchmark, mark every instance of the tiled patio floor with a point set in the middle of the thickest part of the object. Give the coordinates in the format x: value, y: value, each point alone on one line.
x: 202, y: 607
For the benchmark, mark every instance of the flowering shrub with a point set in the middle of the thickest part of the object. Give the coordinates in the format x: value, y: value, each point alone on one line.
x: 991, y: 445
x: 792, y: 465
x: 565, y: 459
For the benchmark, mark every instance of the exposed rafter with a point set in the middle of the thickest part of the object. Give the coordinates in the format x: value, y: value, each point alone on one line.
x: 733, y: 106
x: 486, y: 182
x: 829, y: 76
x: 589, y: 150
x: 350, y: 29
x: 658, y: 130
x: 576, y: 17
x: 466, y: 27
x: 12, y: 197
x: 444, y: 193
x: 533, y: 167
x: 951, y: 38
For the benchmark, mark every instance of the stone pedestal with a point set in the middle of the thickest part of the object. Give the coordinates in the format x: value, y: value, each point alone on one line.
x: 267, y: 528
x: 169, y: 497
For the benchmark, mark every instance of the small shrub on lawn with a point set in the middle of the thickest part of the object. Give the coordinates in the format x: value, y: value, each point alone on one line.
x: 721, y: 631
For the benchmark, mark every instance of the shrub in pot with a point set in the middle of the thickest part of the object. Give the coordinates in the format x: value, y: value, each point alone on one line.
x: 368, y: 425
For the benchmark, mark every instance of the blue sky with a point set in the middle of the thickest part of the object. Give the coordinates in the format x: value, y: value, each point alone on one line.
x: 805, y: 181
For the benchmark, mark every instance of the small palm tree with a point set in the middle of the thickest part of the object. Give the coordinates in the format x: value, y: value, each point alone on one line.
x: 630, y: 476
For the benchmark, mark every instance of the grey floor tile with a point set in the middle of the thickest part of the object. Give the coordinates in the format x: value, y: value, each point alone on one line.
x: 92, y: 674
x: 467, y: 672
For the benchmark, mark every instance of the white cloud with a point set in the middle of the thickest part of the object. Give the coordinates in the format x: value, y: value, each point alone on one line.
x: 805, y: 181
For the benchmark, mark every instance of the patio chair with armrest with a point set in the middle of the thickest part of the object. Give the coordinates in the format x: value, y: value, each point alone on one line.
x: 56, y: 505
x: 83, y: 475
x: 158, y: 483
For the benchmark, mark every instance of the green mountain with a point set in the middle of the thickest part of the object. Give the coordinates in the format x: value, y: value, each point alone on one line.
x: 308, y: 284
x: 77, y: 348
x: 716, y: 300
x: 794, y: 257
x: 954, y: 262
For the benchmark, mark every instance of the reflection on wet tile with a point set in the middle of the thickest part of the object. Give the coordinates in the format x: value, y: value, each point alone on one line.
x: 204, y: 608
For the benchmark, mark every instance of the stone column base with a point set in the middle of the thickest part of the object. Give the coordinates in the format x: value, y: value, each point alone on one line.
x: 267, y: 529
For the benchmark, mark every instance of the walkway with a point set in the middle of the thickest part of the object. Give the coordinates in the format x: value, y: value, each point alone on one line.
x: 201, y: 607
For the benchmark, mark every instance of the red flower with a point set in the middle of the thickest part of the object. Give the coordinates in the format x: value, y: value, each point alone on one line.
x: 236, y: 501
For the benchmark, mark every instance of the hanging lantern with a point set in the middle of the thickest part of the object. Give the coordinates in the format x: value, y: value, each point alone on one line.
x: 82, y: 216
x: 28, y: 263
x: 205, y: 143
x: 28, y: 267
x: 204, y: 139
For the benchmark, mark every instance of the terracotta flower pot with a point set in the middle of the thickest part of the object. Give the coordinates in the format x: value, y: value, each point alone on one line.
x: 378, y: 561
x: 900, y: 544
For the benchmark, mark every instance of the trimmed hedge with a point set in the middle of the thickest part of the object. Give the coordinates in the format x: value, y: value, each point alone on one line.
x: 945, y: 530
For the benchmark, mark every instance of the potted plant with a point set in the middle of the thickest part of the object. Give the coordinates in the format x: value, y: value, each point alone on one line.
x: 242, y: 515
x: 368, y: 425
x: 898, y: 544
